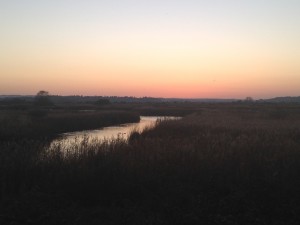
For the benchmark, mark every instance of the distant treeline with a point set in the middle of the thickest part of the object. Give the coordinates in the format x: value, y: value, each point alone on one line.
x: 57, y: 99
x: 80, y: 99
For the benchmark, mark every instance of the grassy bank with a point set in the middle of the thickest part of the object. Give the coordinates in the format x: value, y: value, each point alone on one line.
x: 225, y: 164
x: 15, y: 125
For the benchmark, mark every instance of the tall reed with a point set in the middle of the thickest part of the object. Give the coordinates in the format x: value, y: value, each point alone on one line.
x: 227, y: 165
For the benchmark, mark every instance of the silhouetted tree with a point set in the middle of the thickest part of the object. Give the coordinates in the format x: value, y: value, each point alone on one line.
x: 249, y: 99
x: 42, y: 99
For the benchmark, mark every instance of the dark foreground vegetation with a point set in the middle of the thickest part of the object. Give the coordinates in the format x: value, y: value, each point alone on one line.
x: 45, y: 123
x: 223, y: 164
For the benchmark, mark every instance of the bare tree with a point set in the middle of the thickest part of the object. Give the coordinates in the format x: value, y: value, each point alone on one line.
x: 42, y: 93
x: 42, y: 98
x: 249, y: 99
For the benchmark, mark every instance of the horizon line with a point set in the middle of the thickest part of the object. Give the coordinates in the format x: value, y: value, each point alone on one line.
x: 118, y: 96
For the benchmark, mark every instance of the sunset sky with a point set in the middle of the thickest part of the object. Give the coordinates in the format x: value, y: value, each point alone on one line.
x: 159, y: 48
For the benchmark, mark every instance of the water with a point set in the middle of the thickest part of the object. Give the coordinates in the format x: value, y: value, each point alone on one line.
x: 109, y: 133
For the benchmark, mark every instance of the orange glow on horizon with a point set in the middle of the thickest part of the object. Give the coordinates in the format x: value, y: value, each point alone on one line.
x: 185, y: 54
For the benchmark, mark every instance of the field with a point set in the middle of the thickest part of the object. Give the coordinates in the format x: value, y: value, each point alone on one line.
x: 232, y: 163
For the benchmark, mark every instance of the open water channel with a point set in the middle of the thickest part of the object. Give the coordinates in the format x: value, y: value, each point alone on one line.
x: 108, y: 133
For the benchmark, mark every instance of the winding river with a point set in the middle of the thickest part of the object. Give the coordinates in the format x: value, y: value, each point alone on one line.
x: 109, y: 133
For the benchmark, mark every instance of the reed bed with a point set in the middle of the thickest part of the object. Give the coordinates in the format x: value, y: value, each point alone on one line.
x: 17, y: 125
x: 227, y: 165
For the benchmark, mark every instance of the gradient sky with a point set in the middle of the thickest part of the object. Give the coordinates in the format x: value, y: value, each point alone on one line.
x: 159, y: 48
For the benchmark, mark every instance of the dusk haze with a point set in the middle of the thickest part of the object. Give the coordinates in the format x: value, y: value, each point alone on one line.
x: 183, y: 49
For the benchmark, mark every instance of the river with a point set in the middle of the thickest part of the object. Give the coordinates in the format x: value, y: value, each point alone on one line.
x: 109, y: 133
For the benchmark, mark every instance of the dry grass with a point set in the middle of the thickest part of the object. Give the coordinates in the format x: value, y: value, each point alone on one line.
x: 229, y: 164
x: 16, y: 125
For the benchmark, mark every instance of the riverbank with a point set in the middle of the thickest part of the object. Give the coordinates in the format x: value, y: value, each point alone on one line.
x: 110, y: 133
x: 41, y: 124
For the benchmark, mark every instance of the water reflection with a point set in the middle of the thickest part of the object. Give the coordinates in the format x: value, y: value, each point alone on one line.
x: 108, y: 133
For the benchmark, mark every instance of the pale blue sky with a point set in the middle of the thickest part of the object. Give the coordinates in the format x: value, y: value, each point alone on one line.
x: 274, y: 20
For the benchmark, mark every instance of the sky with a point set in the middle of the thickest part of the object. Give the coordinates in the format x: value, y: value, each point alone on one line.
x: 158, y: 48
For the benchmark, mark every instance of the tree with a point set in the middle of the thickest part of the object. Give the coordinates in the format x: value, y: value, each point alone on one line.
x: 42, y: 98
x: 249, y: 99
x: 42, y: 93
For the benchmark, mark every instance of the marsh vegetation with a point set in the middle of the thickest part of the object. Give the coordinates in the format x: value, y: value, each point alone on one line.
x: 219, y: 164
